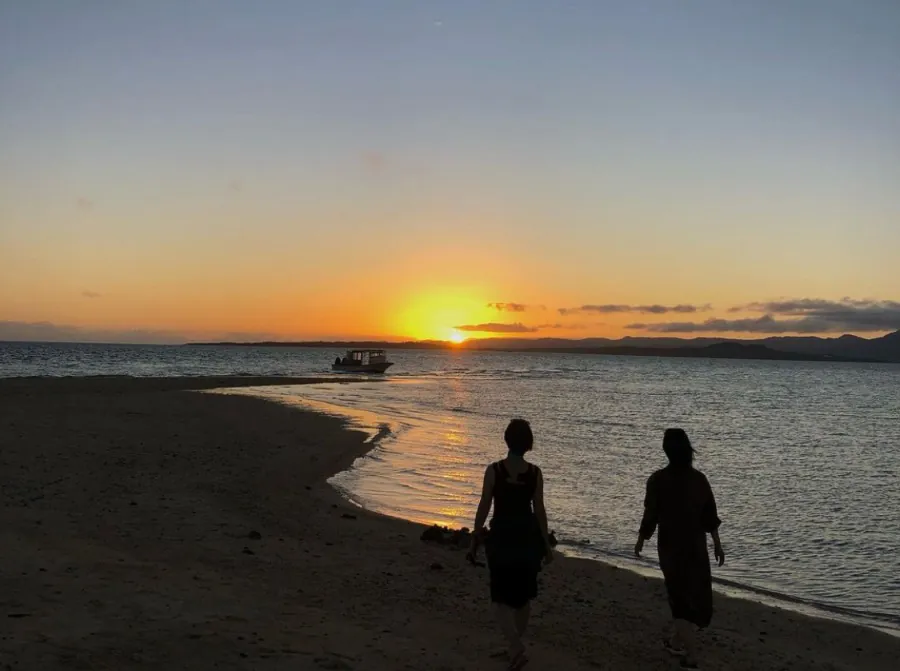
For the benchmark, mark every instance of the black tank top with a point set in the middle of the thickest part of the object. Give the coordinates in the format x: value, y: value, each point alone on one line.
x: 513, y: 496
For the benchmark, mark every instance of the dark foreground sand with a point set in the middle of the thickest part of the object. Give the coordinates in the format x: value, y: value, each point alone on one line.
x: 126, y: 509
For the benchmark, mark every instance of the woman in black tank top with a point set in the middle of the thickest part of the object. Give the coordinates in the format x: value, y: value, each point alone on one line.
x: 518, y: 540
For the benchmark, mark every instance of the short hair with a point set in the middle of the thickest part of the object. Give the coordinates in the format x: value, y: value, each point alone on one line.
x: 678, y: 448
x: 518, y: 436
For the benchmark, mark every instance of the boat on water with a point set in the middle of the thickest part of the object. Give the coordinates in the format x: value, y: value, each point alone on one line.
x: 362, y: 361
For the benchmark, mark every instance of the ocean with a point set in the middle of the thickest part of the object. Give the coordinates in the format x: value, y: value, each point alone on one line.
x: 804, y: 458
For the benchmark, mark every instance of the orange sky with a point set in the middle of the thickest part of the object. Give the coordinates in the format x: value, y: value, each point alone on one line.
x: 316, y: 173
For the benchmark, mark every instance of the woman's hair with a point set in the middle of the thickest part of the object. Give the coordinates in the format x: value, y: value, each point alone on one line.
x: 518, y: 437
x: 678, y: 448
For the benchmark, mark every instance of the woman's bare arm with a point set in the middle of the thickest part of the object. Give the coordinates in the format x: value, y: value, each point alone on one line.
x: 484, y: 505
x: 717, y: 547
x: 540, y: 510
x: 649, y: 520
x: 711, y: 523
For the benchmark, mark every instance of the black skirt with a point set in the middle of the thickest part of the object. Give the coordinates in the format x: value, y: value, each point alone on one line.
x: 515, y: 550
x: 686, y: 569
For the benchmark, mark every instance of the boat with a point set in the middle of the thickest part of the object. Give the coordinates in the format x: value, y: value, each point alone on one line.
x: 362, y: 361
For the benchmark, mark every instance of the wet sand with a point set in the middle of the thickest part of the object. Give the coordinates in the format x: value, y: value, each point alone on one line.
x: 148, y: 526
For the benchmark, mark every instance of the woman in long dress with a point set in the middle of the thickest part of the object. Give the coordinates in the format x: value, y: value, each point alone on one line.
x: 518, y: 541
x: 680, y: 502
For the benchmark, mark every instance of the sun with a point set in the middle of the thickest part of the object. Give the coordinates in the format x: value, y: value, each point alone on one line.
x: 437, y: 314
x: 456, y: 336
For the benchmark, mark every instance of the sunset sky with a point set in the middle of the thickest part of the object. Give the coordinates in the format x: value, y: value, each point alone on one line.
x: 175, y: 170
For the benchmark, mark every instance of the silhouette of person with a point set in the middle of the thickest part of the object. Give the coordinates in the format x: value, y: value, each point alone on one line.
x: 680, y: 502
x: 518, y: 540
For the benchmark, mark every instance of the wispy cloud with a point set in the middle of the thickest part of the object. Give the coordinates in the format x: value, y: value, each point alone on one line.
x: 90, y: 294
x: 515, y: 307
x: 84, y: 204
x: 494, y: 327
x: 645, y: 309
x: 803, y: 315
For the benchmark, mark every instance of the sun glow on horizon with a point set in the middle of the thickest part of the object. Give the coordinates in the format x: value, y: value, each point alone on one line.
x: 437, y: 314
x: 457, y: 337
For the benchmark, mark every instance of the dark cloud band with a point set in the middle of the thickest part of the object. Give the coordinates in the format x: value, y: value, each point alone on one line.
x: 645, y: 309
x: 805, y: 315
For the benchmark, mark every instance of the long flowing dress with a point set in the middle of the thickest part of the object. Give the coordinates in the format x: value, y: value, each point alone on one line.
x: 681, y: 503
x: 514, y: 545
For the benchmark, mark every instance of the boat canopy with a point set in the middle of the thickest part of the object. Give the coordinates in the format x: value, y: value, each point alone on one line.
x: 366, y: 355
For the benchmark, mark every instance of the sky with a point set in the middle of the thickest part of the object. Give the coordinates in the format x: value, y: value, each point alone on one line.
x: 212, y: 169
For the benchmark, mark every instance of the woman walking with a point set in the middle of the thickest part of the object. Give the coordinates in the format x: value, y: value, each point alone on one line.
x: 518, y: 540
x: 680, y: 501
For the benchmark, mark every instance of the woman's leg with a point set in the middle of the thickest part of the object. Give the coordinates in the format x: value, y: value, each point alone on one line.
x: 506, y: 618
x: 522, y: 615
x: 672, y: 641
x: 685, y: 634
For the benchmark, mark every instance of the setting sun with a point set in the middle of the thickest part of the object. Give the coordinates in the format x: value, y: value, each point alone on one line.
x: 456, y: 336
x: 437, y: 313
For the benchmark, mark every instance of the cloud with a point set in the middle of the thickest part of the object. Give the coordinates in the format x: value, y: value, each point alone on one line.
x: 508, y: 307
x: 645, y: 309
x: 84, y: 204
x: 90, y: 294
x: 494, y: 327
x: 829, y: 316
x: 804, y: 315
x: 558, y: 326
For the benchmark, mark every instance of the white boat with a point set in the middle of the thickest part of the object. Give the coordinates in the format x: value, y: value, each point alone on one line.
x: 362, y: 361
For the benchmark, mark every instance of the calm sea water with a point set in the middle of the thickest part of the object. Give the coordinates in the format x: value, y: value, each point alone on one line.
x: 804, y: 457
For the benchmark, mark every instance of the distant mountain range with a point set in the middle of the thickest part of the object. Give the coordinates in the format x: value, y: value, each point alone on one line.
x: 803, y: 348
x: 846, y: 347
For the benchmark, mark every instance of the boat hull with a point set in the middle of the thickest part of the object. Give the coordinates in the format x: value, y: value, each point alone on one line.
x: 362, y: 368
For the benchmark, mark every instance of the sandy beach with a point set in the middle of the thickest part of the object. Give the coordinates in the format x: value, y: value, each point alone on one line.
x: 146, y: 525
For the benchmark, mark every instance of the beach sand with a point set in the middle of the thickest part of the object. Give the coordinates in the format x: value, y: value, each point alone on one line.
x: 125, y: 543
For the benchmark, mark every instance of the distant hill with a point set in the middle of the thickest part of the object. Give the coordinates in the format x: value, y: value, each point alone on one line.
x: 798, y: 348
x: 885, y: 348
x: 847, y: 347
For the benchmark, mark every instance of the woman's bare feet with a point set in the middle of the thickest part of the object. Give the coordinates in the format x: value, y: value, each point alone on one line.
x: 674, y: 647
x: 518, y: 660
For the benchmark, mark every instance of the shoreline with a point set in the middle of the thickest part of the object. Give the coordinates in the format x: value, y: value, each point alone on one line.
x: 130, y: 504
x: 731, y: 588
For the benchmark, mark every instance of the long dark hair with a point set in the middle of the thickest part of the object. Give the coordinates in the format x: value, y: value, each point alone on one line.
x: 678, y: 448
